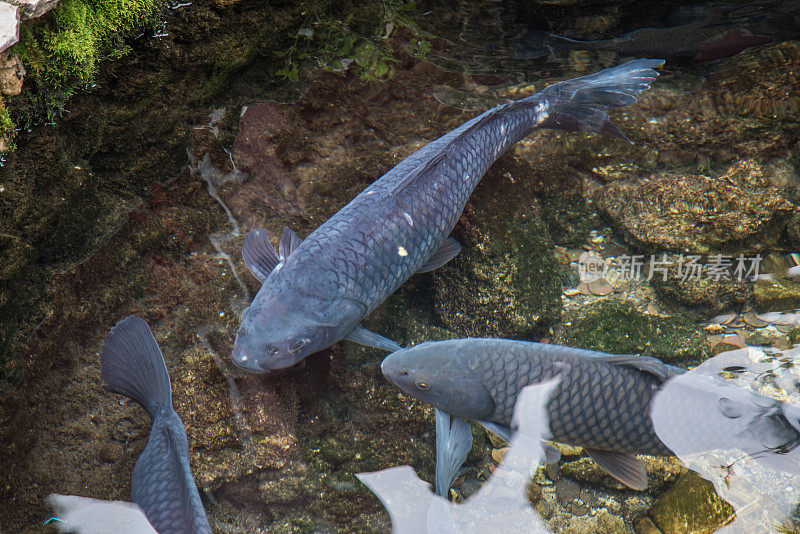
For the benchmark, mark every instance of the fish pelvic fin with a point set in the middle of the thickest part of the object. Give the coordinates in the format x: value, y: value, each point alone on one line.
x: 453, y: 443
x: 131, y: 363
x: 449, y: 250
x: 625, y: 467
x: 580, y: 104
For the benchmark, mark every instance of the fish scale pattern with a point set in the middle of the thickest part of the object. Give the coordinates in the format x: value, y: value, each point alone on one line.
x: 381, y: 238
x: 596, y: 404
x: 162, y: 482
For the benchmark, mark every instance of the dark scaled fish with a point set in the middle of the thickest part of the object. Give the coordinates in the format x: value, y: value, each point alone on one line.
x: 603, y: 402
x: 131, y: 364
x: 699, y: 41
x: 315, y: 292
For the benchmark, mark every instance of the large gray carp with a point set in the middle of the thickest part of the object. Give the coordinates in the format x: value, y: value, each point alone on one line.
x: 315, y: 292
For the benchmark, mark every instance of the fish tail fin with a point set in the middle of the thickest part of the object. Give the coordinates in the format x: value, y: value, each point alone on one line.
x: 131, y: 364
x: 580, y: 104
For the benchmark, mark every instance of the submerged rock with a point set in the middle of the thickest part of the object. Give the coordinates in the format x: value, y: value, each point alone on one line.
x: 737, y: 212
x: 691, y: 505
x: 776, y: 294
x: 619, y: 328
x: 701, y: 293
x: 9, y: 25
x: 761, y: 82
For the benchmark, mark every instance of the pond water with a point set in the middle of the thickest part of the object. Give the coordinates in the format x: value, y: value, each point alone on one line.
x: 230, y: 116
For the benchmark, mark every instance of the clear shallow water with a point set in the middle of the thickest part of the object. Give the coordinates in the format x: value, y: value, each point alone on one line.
x: 280, y: 453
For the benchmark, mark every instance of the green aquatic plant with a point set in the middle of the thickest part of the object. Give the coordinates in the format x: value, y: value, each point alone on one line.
x: 335, y: 33
x: 61, y: 53
x: 7, y: 130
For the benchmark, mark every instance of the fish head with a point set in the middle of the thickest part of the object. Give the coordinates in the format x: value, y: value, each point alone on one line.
x: 435, y: 372
x: 276, y: 333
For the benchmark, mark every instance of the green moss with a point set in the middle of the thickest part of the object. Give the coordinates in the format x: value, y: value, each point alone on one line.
x: 61, y: 55
x: 336, y: 30
x: 7, y: 130
x: 618, y: 327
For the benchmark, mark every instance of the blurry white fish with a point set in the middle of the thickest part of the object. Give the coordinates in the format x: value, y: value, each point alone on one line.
x: 92, y: 516
x: 746, y: 443
x: 501, y: 505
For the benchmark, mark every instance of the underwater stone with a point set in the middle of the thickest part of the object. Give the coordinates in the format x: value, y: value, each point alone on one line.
x: 30, y: 9
x: 619, y: 328
x: 12, y: 74
x: 760, y: 82
x: 706, y: 294
x: 690, y: 505
x: 9, y: 25
x: 736, y: 212
x: 777, y: 294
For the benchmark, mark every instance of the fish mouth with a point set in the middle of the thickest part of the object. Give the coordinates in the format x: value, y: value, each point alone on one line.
x: 244, y: 359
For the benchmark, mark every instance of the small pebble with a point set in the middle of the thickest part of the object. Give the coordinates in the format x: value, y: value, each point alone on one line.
x: 600, y: 287
x: 583, y: 287
x: 735, y: 339
x: 754, y: 320
x: 572, y: 292
x: 499, y: 454
x: 724, y: 318
x: 553, y: 472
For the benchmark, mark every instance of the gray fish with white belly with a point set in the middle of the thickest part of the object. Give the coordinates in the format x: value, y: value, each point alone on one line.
x: 132, y: 364
x: 602, y: 402
x: 315, y: 292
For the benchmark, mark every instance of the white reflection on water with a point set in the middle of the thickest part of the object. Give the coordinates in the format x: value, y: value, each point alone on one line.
x: 93, y: 516
x: 501, y: 505
x: 734, y: 420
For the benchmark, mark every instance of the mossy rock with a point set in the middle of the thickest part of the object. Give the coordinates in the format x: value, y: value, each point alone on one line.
x: 503, y: 283
x: 776, y: 294
x: 704, y: 294
x: 691, y: 505
x: 735, y: 212
x: 619, y: 328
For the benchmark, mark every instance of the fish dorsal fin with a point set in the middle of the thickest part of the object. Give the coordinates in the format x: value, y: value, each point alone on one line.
x: 449, y: 250
x: 623, y: 466
x: 436, y: 158
x: 258, y: 253
x: 289, y: 241
x: 646, y: 364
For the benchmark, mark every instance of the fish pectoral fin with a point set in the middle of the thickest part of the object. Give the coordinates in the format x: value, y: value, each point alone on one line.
x: 646, y: 364
x: 453, y: 443
x: 258, y: 254
x: 289, y: 241
x: 362, y: 336
x: 625, y: 467
x: 449, y: 250
x: 503, y: 432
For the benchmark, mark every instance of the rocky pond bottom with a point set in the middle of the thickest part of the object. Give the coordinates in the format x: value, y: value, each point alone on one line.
x: 706, y: 177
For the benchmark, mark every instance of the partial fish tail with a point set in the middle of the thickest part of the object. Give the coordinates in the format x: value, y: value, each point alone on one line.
x: 131, y: 364
x: 580, y: 104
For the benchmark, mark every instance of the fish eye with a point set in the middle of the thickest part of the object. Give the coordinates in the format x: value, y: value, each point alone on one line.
x: 422, y: 384
x: 296, y: 345
x: 273, y: 350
